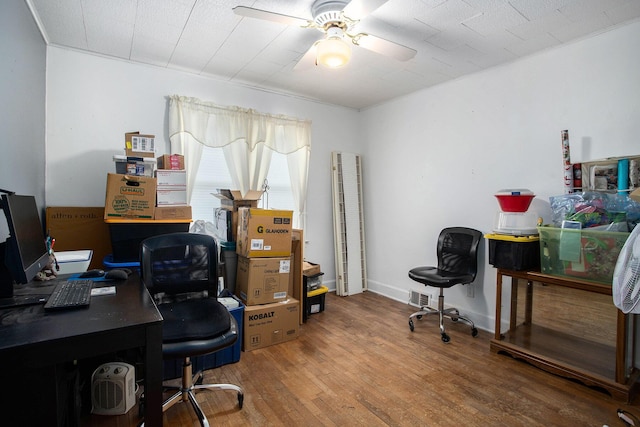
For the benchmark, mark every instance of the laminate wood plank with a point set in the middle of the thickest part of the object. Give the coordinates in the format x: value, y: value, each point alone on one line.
x: 357, y: 363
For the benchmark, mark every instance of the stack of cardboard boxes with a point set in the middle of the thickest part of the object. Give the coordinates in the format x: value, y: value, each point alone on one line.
x: 263, y: 247
x: 131, y: 203
x: 140, y: 191
x: 171, y: 194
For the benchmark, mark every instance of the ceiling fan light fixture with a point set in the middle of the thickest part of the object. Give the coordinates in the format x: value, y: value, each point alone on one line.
x: 333, y: 51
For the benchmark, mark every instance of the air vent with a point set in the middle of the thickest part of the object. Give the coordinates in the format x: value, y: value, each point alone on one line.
x: 420, y: 299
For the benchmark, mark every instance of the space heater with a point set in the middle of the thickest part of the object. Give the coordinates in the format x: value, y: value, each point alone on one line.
x: 113, y: 389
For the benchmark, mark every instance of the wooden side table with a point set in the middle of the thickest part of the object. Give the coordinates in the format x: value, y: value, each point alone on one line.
x: 594, y: 363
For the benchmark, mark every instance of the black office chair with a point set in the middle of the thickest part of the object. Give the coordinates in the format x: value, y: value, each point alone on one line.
x: 457, y: 252
x: 180, y: 271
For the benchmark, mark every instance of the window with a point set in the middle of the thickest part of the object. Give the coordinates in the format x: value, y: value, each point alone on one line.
x: 213, y: 174
x: 279, y: 194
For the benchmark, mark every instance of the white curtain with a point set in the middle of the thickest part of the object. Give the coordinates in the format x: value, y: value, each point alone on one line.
x: 247, y: 138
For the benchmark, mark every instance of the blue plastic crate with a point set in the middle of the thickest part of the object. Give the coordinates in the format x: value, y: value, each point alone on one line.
x: 173, y: 368
x: 109, y: 263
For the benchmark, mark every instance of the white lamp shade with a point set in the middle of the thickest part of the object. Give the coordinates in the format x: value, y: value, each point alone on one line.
x: 333, y: 52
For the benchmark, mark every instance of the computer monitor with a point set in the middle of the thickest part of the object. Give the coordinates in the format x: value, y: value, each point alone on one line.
x: 26, y: 251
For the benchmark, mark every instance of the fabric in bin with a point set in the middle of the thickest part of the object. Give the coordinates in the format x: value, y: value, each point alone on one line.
x: 313, y: 282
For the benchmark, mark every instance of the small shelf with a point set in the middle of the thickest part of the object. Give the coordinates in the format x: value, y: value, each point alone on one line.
x: 146, y: 221
x: 562, y: 348
x: 604, y: 361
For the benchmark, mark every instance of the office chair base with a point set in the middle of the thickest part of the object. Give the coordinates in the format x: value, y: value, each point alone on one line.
x: 451, y: 313
x: 186, y: 392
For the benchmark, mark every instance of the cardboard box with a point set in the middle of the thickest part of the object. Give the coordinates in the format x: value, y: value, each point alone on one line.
x: 171, y: 179
x: 77, y: 228
x: 270, y: 324
x: 172, y: 212
x: 129, y: 196
x: 262, y: 280
x: 310, y: 269
x: 264, y: 233
x: 171, y: 197
x: 296, y: 282
x: 232, y: 199
x: 137, y: 145
x: 171, y: 161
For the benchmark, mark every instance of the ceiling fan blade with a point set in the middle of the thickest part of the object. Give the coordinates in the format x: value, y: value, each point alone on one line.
x: 308, y: 60
x: 384, y: 47
x: 250, y: 12
x: 358, y: 9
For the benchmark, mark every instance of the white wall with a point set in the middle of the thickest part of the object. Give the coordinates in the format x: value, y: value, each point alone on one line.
x: 445, y: 151
x: 92, y: 101
x: 22, y: 112
x: 431, y: 159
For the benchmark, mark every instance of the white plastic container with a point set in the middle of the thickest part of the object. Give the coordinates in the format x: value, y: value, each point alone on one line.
x: 74, y: 261
x: 139, y: 166
x: 516, y: 223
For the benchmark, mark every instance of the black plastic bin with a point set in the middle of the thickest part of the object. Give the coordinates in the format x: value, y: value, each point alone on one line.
x: 127, y: 236
x: 519, y: 253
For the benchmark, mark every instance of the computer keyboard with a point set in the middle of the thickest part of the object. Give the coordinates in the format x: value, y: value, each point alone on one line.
x: 70, y: 294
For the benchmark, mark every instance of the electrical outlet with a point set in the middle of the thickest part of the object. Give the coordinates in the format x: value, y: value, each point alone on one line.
x: 470, y: 290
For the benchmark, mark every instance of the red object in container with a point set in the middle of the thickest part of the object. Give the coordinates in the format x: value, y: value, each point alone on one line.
x: 514, y: 200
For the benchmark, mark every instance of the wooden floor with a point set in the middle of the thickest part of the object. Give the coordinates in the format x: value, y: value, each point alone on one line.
x: 357, y: 363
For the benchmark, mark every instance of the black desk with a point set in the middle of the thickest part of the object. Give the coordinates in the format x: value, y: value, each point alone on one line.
x: 33, y: 339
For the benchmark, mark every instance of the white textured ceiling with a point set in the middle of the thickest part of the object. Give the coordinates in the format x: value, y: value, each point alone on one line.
x: 452, y: 38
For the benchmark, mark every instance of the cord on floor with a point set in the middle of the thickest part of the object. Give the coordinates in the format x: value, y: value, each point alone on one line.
x: 628, y: 418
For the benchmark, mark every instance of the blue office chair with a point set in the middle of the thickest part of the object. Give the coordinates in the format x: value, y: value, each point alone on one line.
x: 180, y: 271
x: 457, y: 252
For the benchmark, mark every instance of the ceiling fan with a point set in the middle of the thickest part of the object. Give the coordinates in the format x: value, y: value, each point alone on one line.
x: 337, y: 19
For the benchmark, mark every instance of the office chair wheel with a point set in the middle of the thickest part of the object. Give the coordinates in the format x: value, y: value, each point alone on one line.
x: 445, y: 337
x: 141, y: 407
x: 419, y: 316
x: 240, y: 400
x: 411, y: 325
x: 474, y: 332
